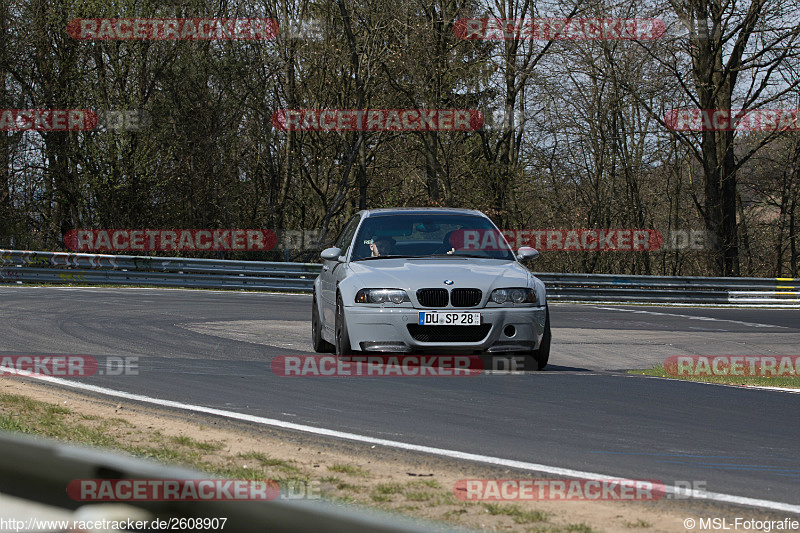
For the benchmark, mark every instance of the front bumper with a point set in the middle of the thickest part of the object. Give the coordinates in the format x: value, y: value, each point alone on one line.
x: 385, y: 329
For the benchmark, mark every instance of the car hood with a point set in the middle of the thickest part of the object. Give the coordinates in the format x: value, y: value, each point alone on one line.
x: 413, y: 274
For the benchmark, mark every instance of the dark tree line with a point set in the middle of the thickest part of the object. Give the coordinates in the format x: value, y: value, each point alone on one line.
x: 575, y: 133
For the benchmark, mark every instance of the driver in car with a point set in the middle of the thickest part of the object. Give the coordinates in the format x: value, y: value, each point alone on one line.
x: 446, y: 243
x: 382, y: 246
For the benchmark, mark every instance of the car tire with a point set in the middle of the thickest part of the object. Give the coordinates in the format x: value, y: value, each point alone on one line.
x: 343, y: 349
x: 320, y: 344
x: 542, y: 354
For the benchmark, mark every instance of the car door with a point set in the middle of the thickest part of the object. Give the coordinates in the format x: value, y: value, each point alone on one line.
x: 332, y: 272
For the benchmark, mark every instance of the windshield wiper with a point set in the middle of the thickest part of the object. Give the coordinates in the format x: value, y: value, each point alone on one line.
x: 390, y: 257
x: 457, y: 256
x: 464, y: 255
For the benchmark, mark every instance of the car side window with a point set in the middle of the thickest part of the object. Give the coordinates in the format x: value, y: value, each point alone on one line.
x: 343, y: 242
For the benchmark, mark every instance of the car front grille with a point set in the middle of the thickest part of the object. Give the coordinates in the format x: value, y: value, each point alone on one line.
x: 432, y: 297
x: 449, y: 333
x: 440, y: 297
x: 465, y: 297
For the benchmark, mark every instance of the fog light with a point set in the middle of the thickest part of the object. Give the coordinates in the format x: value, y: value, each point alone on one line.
x: 510, y: 331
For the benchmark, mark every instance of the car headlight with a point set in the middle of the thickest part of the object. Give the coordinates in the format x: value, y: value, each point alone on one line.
x: 381, y: 296
x: 521, y: 295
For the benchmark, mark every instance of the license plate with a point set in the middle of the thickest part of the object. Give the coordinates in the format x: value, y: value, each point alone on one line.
x: 449, y: 319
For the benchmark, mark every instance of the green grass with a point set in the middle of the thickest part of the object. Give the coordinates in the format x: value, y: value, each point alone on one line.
x: 343, y: 485
x: 430, y: 483
x: 202, y: 446
x: 419, y: 496
x: 454, y: 515
x: 11, y: 423
x: 24, y: 402
x: 48, y: 420
x: 241, y: 472
x: 351, y: 470
x: 31, y: 416
x: 267, y: 461
x: 757, y: 381
x: 389, y: 488
x: 163, y: 453
x: 578, y: 528
x: 519, y: 515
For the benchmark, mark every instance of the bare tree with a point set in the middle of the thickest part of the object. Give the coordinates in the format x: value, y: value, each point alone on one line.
x: 740, y: 55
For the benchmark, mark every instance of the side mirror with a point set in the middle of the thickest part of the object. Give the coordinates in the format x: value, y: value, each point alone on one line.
x: 526, y: 252
x: 331, y: 254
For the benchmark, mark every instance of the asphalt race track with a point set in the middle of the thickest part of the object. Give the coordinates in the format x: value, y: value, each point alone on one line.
x: 214, y: 349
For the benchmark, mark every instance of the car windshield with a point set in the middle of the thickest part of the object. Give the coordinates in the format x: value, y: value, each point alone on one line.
x: 429, y: 235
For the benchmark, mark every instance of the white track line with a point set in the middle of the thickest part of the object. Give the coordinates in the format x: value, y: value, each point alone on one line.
x: 778, y: 389
x: 453, y: 454
x: 729, y: 385
x: 692, y: 317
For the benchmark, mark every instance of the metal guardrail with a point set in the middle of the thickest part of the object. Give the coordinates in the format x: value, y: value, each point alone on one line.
x: 672, y: 289
x: 19, y: 266
x: 37, y: 472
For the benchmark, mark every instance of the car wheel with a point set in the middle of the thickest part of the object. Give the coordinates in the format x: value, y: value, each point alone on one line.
x: 320, y: 344
x: 343, y: 349
x: 541, y: 355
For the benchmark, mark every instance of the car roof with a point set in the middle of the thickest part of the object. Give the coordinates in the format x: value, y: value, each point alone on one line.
x: 420, y: 210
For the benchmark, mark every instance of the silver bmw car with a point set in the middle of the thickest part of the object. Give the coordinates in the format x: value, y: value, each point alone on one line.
x: 428, y: 280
